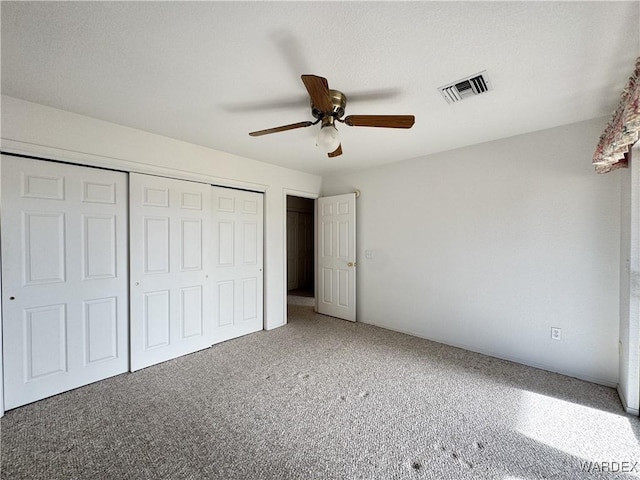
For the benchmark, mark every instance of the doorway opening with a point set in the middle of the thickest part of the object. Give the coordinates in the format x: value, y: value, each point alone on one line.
x: 300, y: 250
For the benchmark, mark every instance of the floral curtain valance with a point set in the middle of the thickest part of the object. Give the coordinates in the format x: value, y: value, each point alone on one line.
x: 623, y: 129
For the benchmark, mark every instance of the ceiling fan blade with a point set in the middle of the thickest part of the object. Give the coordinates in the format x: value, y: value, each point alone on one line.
x: 318, y: 89
x: 385, y: 121
x: 336, y: 152
x: 283, y: 128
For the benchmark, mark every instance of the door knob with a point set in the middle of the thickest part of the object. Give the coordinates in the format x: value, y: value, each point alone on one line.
x: 351, y: 264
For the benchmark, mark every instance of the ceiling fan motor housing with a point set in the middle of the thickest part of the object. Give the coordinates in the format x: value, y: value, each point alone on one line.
x: 339, y: 103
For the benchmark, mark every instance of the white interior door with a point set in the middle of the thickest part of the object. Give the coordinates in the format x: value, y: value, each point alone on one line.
x: 170, y: 224
x: 64, y: 277
x: 336, y: 264
x: 238, y: 261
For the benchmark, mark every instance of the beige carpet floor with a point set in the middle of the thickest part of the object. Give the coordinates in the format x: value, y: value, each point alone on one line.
x: 323, y: 398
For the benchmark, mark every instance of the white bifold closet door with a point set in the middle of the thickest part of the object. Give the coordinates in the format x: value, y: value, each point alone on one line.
x: 238, y: 262
x: 64, y: 277
x: 170, y: 225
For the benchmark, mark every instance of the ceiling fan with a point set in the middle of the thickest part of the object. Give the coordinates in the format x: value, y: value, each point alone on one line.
x: 327, y: 106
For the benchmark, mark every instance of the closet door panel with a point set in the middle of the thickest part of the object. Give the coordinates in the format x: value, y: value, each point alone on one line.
x: 237, y: 271
x: 64, y: 277
x: 170, y: 223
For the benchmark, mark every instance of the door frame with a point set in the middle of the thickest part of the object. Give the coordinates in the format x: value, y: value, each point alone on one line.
x: 296, y: 193
x: 629, y: 359
x: 1, y: 324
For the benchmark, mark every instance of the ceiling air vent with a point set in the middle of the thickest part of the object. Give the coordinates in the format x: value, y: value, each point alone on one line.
x: 466, y: 87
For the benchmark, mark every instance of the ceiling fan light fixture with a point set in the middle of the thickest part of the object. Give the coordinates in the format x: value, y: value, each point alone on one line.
x: 328, y: 138
x: 327, y: 106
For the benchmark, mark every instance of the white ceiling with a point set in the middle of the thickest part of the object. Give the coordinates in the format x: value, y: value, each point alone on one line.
x: 210, y: 72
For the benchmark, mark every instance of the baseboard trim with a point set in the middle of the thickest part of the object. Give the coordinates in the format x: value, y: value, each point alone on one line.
x: 632, y: 411
x: 581, y: 376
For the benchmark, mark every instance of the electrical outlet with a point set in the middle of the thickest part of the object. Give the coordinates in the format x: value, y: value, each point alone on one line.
x: 556, y: 333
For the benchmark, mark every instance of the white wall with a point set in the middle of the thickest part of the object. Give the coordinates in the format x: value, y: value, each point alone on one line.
x: 488, y: 247
x: 38, y: 130
x: 629, y: 384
